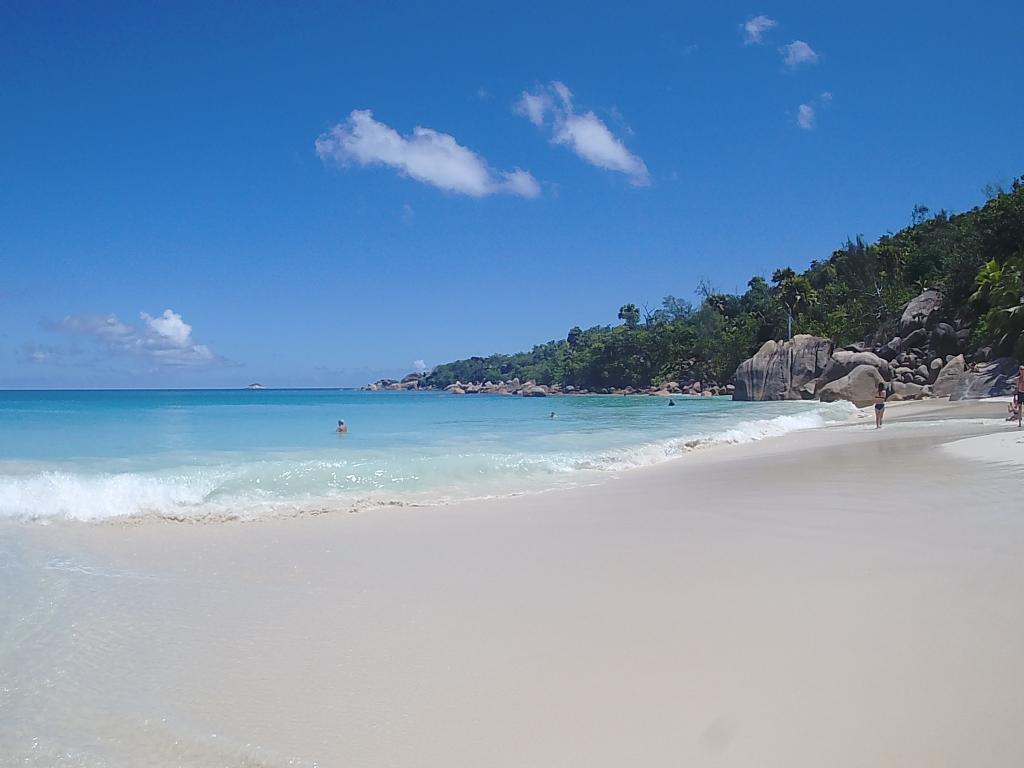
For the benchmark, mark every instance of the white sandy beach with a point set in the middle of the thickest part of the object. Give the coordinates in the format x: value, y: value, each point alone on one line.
x: 838, y: 597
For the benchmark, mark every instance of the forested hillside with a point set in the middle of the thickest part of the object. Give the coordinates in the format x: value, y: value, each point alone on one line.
x: 857, y: 294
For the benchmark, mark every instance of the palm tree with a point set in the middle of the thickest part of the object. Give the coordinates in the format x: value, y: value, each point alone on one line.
x: 630, y: 315
x: 795, y: 293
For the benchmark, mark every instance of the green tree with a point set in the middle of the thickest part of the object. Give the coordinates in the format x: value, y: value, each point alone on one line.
x: 795, y: 293
x: 1000, y: 295
x: 630, y: 315
x: 856, y: 294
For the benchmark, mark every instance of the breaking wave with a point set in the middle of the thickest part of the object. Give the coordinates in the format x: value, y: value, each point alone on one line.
x: 298, y: 484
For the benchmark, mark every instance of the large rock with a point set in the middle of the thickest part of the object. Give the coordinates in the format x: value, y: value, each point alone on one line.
x: 844, y: 361
x: 992, y: 380
x: 858, y: 386
x: 946, y: 381
x: 890, y: 349
x: 901, y: 391
x: 783, y: 370
x: 944, y: 340
x: 921, y: 311
x: 915, y: 340
x: 857, y: 346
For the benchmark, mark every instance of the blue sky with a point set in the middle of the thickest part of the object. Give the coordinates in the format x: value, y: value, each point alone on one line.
x: 209, y: 194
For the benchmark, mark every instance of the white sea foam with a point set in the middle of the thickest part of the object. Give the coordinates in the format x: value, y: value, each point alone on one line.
x: 94, y: 497
x: 301, y: 484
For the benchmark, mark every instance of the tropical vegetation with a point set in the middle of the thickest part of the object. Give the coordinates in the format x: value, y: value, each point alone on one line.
x: 857, y: 294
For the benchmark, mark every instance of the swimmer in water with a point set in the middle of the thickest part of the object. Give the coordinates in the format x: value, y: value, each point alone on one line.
x: 341, y: 426
x: 552, y: 415
x: 671, y: 402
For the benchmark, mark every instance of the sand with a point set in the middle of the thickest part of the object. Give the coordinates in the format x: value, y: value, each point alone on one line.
x: 839, y: 597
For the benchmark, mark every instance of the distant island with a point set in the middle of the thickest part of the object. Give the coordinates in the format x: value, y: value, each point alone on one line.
x: 255, y: 386
x: 934, y: 309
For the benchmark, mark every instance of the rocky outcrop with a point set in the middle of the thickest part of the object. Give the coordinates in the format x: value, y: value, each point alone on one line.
x: 914, y: 341
x: 948, y: 376
x: 901, y: 391
x: 921, y: 312
x: 891, y: 349
x: 944, y: 340
x: 412, y: 381
x: 843, y: 362
x: 858, y: 386
x: 783, y: 370
x: 989, y: 380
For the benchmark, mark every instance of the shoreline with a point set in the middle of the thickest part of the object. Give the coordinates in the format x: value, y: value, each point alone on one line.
x: 500, y: 470
x: 771, y: 604
x: 595, y: 471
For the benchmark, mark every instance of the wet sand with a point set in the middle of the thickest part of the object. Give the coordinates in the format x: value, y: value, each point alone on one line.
x: 840, y: 597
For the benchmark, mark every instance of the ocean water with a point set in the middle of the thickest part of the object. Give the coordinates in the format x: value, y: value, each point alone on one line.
x: 226, y: 454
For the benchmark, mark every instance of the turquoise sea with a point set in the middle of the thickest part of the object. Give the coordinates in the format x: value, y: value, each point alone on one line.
x: 225, y: 454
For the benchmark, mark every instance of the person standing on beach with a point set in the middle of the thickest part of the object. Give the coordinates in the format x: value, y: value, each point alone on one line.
x: 1018, y: 396
x: 879, y: 404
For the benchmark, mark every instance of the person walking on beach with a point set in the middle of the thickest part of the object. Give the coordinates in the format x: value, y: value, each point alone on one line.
x: 341, y: 426
x: 879, y: 404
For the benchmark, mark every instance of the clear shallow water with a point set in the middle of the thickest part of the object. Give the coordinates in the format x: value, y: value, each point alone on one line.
x: 93, y: 455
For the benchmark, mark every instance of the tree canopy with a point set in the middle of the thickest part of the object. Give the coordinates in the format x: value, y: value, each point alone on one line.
x: 858, y: 293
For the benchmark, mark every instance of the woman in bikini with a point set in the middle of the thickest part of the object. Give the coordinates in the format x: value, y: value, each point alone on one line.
x: 879, y: 405
x: 1018, y: 397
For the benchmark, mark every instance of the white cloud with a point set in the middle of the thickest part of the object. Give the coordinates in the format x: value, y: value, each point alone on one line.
x: 754, y: 29
x: 165, y: 339
x: 419, y: 366
x: 534, y: 106
x: 584, y: 133
x: 169, y: 326
x: 35, y: 353
x: 805, y: 116
x: 796, y: 53
x: 43, y: 354
x: 425, y: 155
